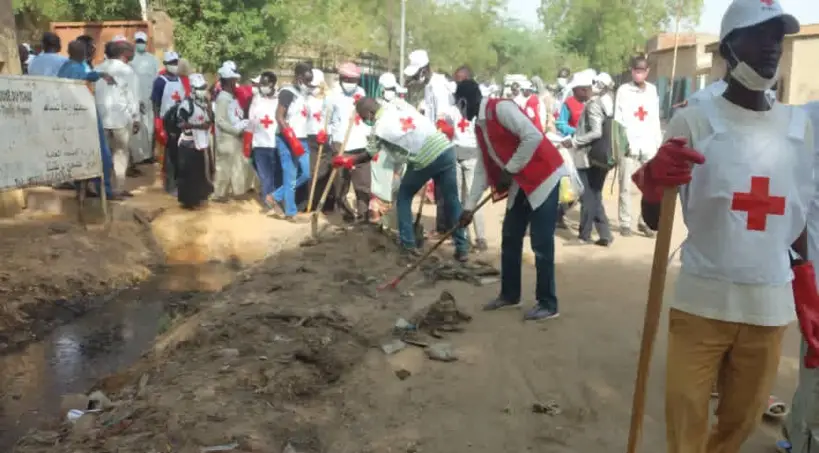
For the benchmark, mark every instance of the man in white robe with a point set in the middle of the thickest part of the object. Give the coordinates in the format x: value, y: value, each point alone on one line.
x: 231, y: 174
x: 146, y: 67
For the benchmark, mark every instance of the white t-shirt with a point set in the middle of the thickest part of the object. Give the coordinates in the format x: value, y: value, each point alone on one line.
x: 716, y: 89
x: 761, y: 305
x: 638, y: 111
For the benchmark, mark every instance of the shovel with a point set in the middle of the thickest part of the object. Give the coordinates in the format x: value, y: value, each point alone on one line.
x: 315, y: 170
x: 331, y: 179
x: 420, y: 236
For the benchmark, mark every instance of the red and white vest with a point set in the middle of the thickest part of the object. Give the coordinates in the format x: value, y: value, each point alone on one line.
x: 575, y: 110
x: 316, y: 114
x: 537, y: 178
x: 263, y: 121
x: 343, y: 106
x: 533, y: 111
x: 297, y: 112
x: 173, y: 92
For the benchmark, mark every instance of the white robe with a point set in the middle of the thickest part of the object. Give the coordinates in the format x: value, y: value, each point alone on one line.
x: 231, y: 166
x: 146, y: 67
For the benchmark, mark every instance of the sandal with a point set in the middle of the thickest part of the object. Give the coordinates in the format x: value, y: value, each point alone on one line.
x: 776, y: 408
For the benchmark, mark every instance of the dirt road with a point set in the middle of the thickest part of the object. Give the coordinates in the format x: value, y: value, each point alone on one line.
x: 289, y: 355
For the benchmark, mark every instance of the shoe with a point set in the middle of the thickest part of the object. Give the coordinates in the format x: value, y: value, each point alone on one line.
x: 498, y: 304
x: 625, y: 231
x: 539, y: 313
x: 604, y: 242
x: 462, y: 257
x: 578, y: 241
x: 276, y: 210
x: 481, y: 245
x: 645, y: 230
x: 298, y: 219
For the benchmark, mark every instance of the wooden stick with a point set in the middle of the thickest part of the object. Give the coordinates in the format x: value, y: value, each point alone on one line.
x: 392, y: 284
x: 323, y: 199
x: 104, y: 200
x: 654, y: 307
x: 82, y: 187
x: 318, y: 163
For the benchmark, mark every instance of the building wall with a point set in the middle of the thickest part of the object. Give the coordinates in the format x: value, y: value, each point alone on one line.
x: 11, y: 201
x: 803, y: 84
x: 662, y: 63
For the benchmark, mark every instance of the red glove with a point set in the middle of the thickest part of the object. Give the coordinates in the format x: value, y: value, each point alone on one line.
x: 321, y: 137
x: 806, y: 299
x: 343, y: 161
x: 671, y: 167
x: 159, y: 131
x: 444, y: 127
x: 296, y: 149
x: 247, y: 144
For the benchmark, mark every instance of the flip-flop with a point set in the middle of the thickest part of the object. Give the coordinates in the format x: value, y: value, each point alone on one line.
x: 783, y: 446
x: 776, y: 408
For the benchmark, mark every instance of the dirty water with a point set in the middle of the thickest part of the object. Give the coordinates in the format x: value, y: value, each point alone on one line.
x: 73, y: 357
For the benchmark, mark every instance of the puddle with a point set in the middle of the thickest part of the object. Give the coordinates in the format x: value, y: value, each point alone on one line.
x: 109, y: 338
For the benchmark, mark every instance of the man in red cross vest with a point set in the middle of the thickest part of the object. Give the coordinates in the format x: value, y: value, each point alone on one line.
x: 516, y: 157
x: 745, y: 171
x: 637, y: 135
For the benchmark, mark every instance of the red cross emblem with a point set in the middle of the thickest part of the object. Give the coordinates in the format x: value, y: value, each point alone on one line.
x: 641, y: 113
x: 317, y: 116
x: 266, y: 121
x: 176, y: 97
x: 201, y: 117
x: 758, y: 203
x: 357, y: 120
x: 767, y: 2
x: 304, y: 111
x: 407, y: 124
x: 357, y: 97
x: 463, y: 124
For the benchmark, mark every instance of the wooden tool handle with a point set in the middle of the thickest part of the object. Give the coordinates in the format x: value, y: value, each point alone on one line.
x: 341, y: 150
x: 654, y: 307
x: 315, y: 170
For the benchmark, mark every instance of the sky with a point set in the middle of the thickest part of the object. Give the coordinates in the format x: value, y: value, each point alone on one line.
x: 806, y: 11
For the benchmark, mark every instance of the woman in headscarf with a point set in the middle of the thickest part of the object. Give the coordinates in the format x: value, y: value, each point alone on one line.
x: 547, y: 102
x: 194, y: 184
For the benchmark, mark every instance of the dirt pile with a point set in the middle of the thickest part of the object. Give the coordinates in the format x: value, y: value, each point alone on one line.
x: 255, y: 369
x: 51, y: 267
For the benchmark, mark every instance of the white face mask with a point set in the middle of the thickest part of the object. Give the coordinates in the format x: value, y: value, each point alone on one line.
x: 749, y: 78
x: 255, y: 90
x: 201, y: 94
x: 266, y: 91
x: 172, y: 69
x: 389, y: 95
x: 315, y: 91
x: 348, y: 86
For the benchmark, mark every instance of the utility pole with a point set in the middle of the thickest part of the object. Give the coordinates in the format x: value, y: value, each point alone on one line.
x: 676, y: 47
x: 403, y: 41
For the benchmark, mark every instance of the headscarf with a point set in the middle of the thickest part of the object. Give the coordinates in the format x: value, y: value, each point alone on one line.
x: 468, y: 96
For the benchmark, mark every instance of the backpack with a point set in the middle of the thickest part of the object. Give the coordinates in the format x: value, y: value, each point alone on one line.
x: 601, y: 152
x: 174, y: 117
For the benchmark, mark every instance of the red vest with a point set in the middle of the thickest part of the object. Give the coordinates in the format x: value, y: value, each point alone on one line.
x: 575, y: 110
x: 545, y: 160
x: 533, y: 111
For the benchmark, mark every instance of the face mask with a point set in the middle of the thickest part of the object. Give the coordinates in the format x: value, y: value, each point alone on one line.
x: 639, y: 76
x: 141, y: 47
x: 172, y: 69
x: 266, y: 91
x: 749, y: 78
x: 348, y: 86
x: 370, y: 123
x: 255, y: 90
x: 389, y: 95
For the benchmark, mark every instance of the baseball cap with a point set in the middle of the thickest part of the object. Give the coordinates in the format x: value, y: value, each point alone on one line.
x: 141, y: 36
x: 198, y: 81
x: 226, y: 72
x: 387, y: 80
x: 584, y: 78
x: 170, y: 56
x: 747, y: 13
x: 119, y: 38
x: 417, y: 60
x: 604, y: 79
x: 256, y: 79
x: 230, y: 64
x: 349, y: 69
x: 318, y: 77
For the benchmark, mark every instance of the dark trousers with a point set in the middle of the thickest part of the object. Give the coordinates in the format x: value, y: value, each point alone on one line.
x: 360, y: 179
x: 542, y: 238
x: 325, y: 167
x: 592, y: 212
x: 171, y: 162
x: 442, y: 221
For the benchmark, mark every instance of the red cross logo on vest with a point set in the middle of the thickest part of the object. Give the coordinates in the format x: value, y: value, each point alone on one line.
x: 200, y: 118
x: 463, y: 124
x: 758, y: 203
x: 304, y: 111
x: 317, y: 116
x: 266, y: 121
x: 407, y: 124
x: 357, y: 120
x: 767, y: 2
x: 641, y: 113
x: 176, y: 97
x: 357, y: 97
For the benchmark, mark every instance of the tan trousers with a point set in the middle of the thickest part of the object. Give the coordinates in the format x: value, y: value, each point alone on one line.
x: 120, y: 154
x: 745, y: 358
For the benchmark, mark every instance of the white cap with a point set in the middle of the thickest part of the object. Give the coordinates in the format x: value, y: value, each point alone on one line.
x: 141, y: 35
x: 27, y: 46
x: 747, y: 13
x: 170, y: 56
x: 400, y: 90
x: 226, y: 72
x: 318, y: 77
x: 525, y: 85
x: 230, y: 64
x: 604, y: 79
x: 584, y: 78
x: 197, y: 81
x: 387, y: 80
x: 256, y: 79
x: 417, y: 60
x: 119, y: 38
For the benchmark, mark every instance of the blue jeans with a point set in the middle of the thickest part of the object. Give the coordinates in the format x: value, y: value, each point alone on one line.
x: 266, y: 161
x: 443, y: 172
x: 542, y: 237
x: 295, y: 173
x: 107, y: 162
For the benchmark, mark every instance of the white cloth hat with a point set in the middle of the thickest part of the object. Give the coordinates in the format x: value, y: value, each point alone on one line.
x: 198, y: 81
x: 256, y: 79
x: 170, y: 56
x: 141, y: 35
x: 226, y: 72
x: 417, y: 60
x: 747, y: 13
x: 525, y: 85
x: 584, y: 78
x: 318, y: 77
x: 387, y: 80
x: 604, y: 79
x: 230, y: 64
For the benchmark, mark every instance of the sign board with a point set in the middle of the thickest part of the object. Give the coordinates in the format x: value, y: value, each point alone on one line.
x: 49, y: 132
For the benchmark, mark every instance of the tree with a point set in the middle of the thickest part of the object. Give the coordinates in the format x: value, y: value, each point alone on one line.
x: 608, y: 32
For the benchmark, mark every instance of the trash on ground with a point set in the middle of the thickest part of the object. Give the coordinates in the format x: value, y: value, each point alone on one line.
x: 549, y: 408
x: 441, y: 352
x: 393, y: 347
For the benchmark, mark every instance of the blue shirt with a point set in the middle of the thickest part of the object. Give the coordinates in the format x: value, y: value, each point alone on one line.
x: 562, y: 123
x: 77, y: 71
x: 159, y: 87
x: 46, y: 64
